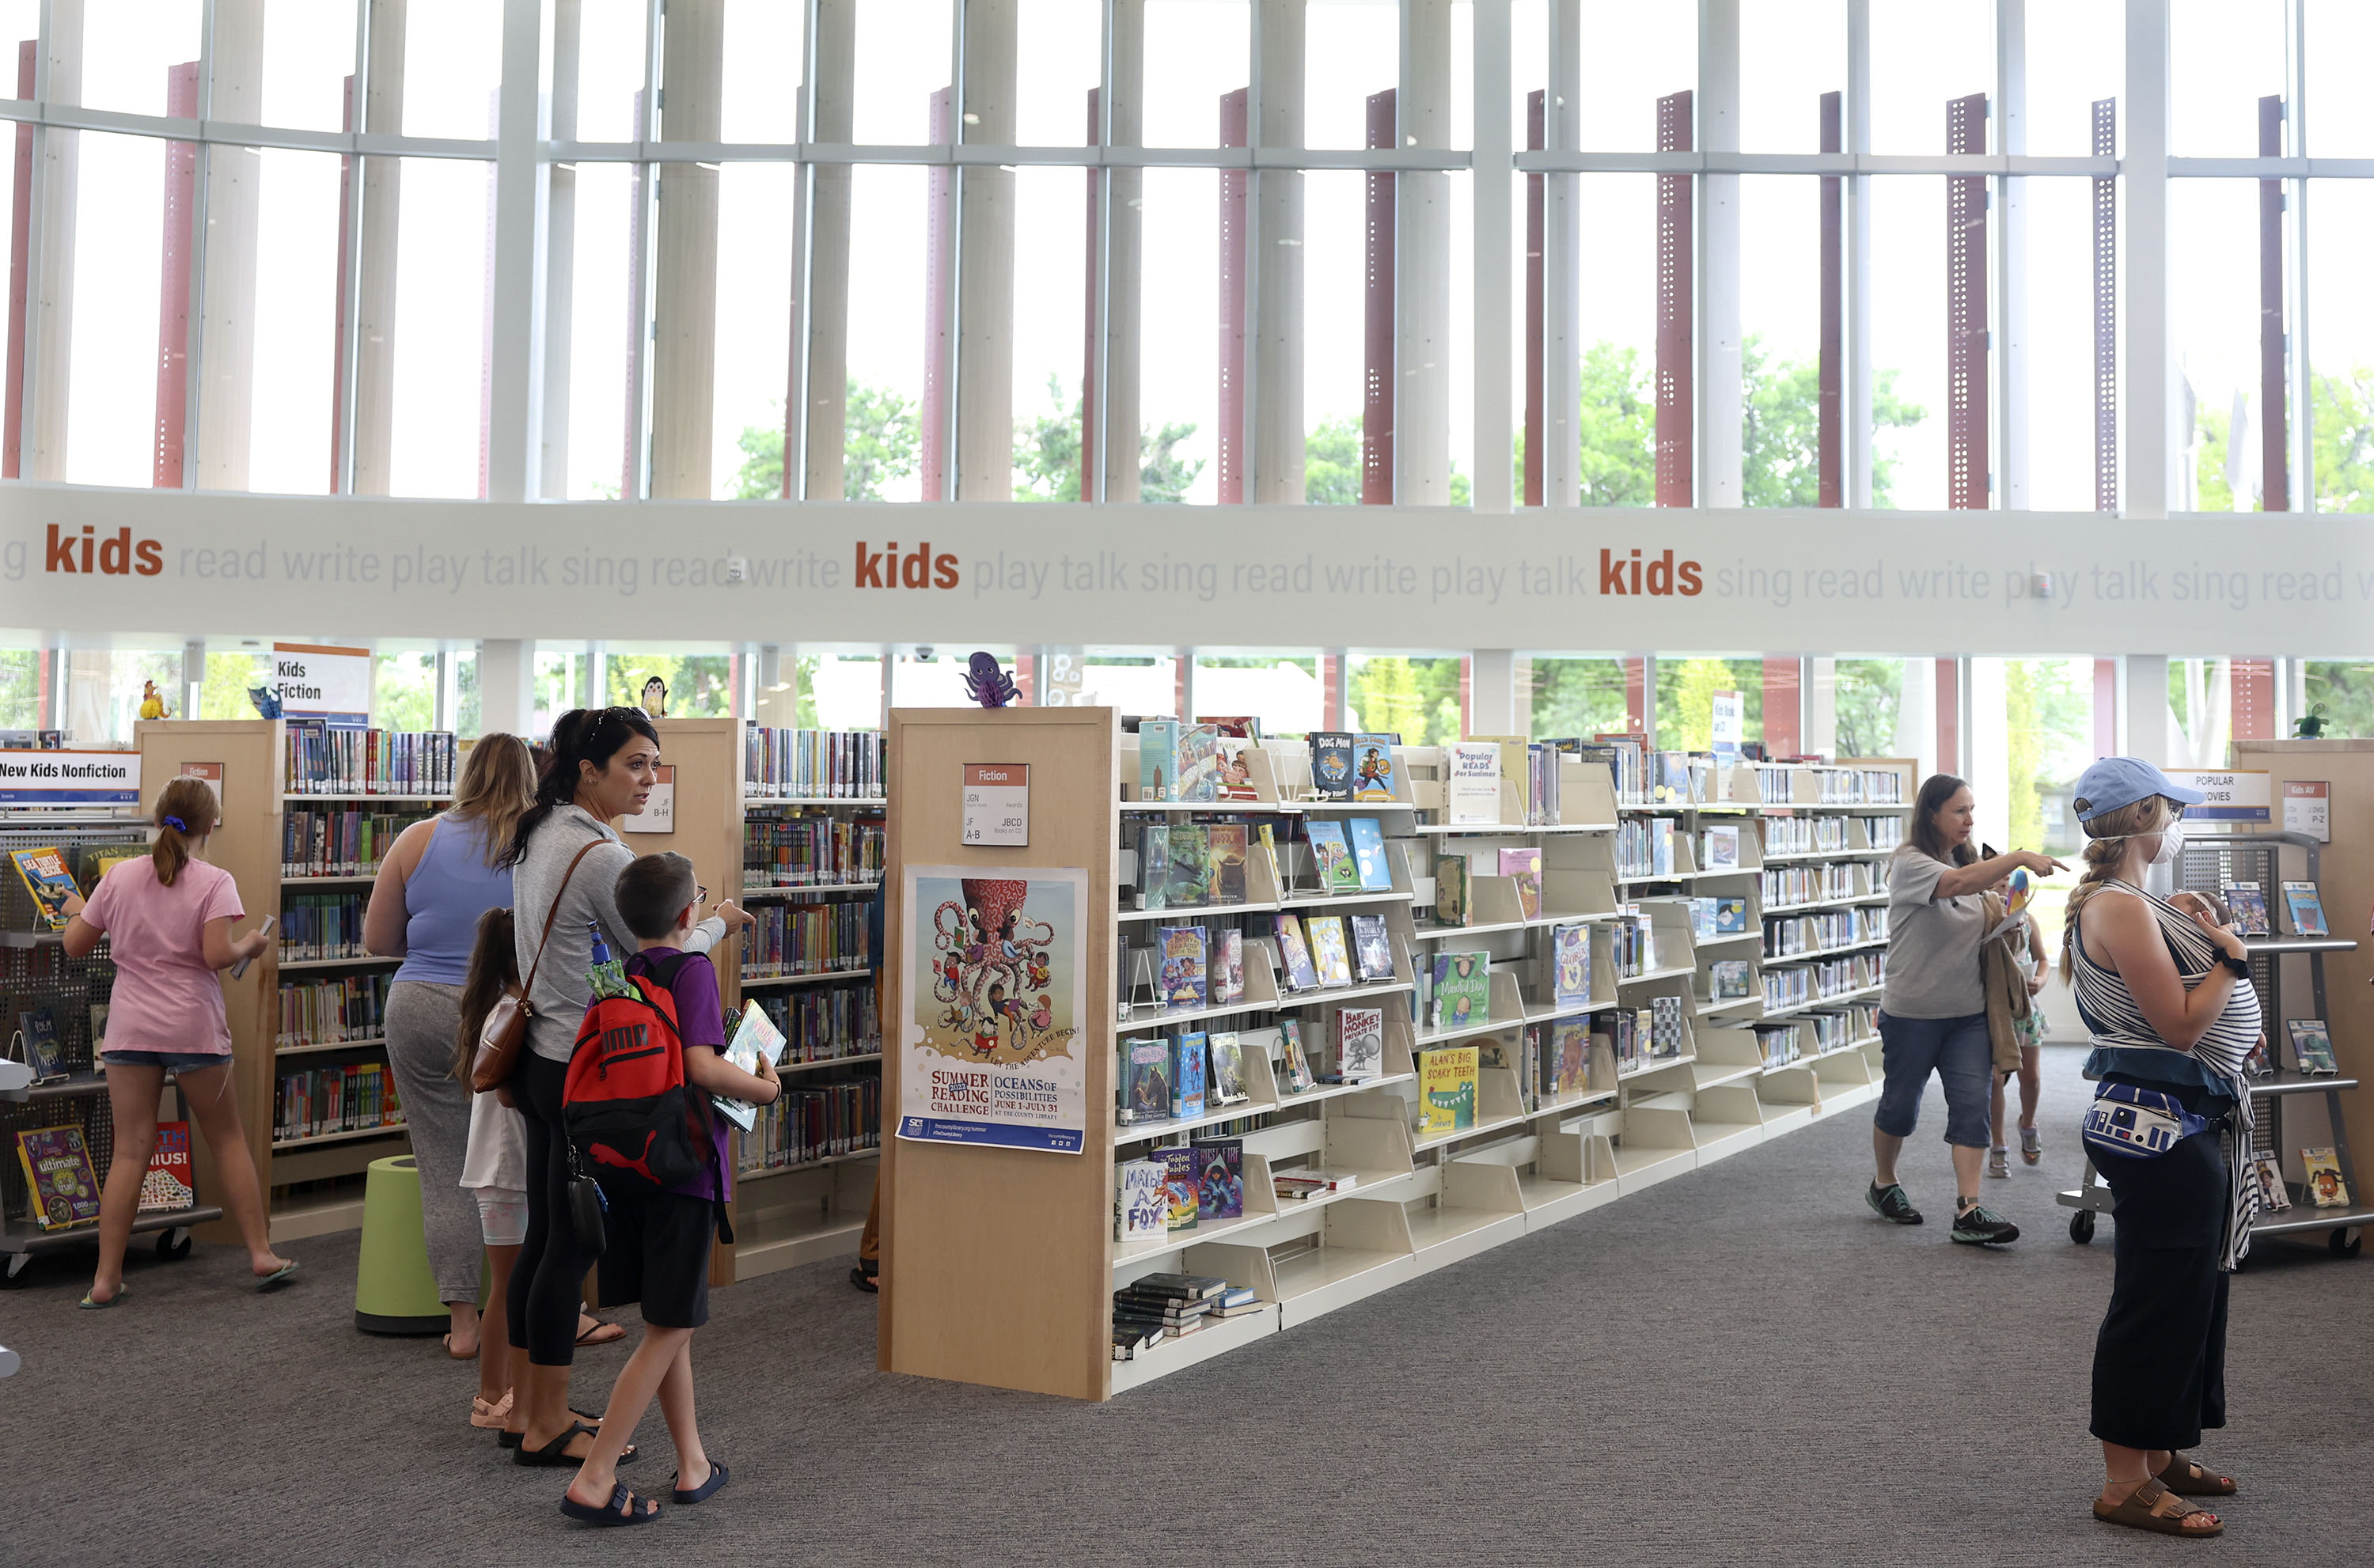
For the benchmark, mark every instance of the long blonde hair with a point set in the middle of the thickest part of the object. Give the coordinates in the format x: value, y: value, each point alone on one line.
x: 2106, y: 850
x: 497, y: 787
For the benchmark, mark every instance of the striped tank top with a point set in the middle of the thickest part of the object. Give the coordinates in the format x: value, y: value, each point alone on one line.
x: 2112, y: 1016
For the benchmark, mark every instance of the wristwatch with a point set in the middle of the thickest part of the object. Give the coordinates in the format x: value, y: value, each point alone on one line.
x: 2242, y: 966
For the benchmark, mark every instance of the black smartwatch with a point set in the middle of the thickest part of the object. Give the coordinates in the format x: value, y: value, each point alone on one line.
x: 2242, y: 966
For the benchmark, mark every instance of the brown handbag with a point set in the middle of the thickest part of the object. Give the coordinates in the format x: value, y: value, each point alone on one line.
x: 504, y: 1034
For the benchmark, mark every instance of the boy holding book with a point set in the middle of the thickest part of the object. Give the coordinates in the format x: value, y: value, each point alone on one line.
x: 658, y: 1242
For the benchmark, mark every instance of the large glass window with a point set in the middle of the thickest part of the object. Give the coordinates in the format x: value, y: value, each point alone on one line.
x: 1285, y: 692
x: 1578, y: 697
x: 1420, y: 697
x: 1686, y: 692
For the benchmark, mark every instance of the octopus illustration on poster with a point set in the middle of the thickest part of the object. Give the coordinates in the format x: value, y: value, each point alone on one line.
x: 991, y: 1009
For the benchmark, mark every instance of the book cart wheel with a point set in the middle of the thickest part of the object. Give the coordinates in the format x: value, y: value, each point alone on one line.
x: 2347, y: 1243
x: 2081, y: 1226
x: 173, y: 1244
x: 14, y: 1275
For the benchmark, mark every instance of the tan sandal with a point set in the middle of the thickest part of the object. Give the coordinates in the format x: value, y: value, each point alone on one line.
x: 2187, y: 1480
x: 483, y: 1414
x: 2143, y: 1510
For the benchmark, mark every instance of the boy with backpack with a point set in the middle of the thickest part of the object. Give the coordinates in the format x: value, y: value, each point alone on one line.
x: 637, y: 1110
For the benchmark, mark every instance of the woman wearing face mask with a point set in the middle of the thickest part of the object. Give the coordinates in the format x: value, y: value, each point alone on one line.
x: 2165, y: 989
x: 1932, y: 1013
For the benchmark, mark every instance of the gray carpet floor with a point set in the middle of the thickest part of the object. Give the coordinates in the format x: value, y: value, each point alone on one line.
x: 1739, y: 1366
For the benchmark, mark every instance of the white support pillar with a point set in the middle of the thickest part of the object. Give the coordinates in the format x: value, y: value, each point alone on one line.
x: 1817, y: 732
x: 1720, y: 435
x: 684, y: 310
x: 515, y: 408
x: 775, y: 700
x: 2147, y: 382
x: 1494, y: 487
x: 2010, y: 280
x: 1561, y: 265
x: 226, y: 349
x: 1492, y: 699
x: 985, y: 258
x: 560, y: 256
x: 50, y: 320
x: 2301, y: 434
x: 1858, y: 261
x: 1125, y: 229
x: 832, y: 107
x: 374, y: 313
x: 507, y: 687
x: 1916, y: 714
x: 1422, y: 263
x: 1277, y: 275
x: 2143, y: 712
x: 194, y: 677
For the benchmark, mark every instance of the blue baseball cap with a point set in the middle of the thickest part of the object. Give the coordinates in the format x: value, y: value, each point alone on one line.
x: 2118, y: 781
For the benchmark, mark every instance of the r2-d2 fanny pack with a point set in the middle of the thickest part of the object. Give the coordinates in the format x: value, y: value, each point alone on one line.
x: 2136, y: 1124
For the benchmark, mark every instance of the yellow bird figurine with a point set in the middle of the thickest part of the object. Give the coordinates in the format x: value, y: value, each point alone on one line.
x: 151, y: 705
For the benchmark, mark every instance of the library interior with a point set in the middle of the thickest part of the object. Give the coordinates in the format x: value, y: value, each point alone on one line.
x: 842, y: 678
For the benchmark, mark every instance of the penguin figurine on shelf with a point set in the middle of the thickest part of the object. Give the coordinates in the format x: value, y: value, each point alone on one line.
x: 152, y: 706
x: 655, y: 697
x: 986, y: 684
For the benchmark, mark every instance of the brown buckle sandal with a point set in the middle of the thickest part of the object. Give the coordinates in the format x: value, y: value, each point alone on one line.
x: 2140, y: 1512
x: 2187, y: 1480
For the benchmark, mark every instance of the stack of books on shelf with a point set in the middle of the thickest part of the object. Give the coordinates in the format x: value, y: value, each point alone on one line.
x: 811, y: 848
x: 1886, y: 833
x: 314, y: 1102
x: 321, y: 1012
x: 827, y: 1024
x: 320, y: 925
x: 1805, y: 836
x: 842, y: 764
x: 805, y: 940
x: 814, y: 1122
x: 1169, y: 1306
x: 1789, y: 934
x: 319, y: 759
x: 318, y: 842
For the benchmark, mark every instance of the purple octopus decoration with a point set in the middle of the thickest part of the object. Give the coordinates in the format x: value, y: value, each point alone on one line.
x: 987, y: 684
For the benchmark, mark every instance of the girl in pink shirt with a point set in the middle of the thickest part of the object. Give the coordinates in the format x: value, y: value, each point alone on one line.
x: 170, y: 917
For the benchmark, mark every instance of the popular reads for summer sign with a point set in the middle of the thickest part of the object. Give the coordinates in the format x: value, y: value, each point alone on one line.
x: 992, y: 1050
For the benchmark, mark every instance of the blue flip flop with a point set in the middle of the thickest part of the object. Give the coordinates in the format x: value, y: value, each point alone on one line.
x: 277, y: 1278
x: 89, y: 1303
x: 717, y: 1477
x: 615, y: 1512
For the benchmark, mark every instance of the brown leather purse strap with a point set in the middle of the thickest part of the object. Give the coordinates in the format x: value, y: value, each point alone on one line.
x: 527, y: 987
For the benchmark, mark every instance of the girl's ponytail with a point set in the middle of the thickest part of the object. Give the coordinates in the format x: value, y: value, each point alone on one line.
x: 186, y: 809
x: 494, y: 968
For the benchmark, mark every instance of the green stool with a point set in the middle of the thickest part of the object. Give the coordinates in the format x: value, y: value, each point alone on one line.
x: 394, y: 1292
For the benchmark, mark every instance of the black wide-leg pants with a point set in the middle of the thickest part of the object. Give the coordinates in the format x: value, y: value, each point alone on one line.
x: 2159, y: 1360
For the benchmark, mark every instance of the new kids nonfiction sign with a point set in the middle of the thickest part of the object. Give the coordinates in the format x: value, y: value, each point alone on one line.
x: 989, y: 1040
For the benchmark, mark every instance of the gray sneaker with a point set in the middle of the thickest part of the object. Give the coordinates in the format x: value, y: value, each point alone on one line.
x: 1980, y: 1227
x: 1890, y: 1203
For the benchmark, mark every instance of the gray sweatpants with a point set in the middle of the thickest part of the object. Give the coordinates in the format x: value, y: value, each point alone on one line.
x: 422, y: 1019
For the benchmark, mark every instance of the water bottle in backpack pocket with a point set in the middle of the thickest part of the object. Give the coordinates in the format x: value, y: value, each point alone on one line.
x: 631, y: 1117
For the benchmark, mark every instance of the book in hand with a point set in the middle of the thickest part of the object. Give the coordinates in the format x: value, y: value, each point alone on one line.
x: 2325, y: 1187
x: 61, y: 1190
x: 1372, y: 949
x: 1330, y: 854
x: 1146, y: 1085
x: 1330, y: 954
x: 2248, y: 901
x: 1368, y: 851
x: 45, y: 877
x: 169, y: 1186
x: 1372, y: 767
x: 1143, y: 1208
x: 2311, y: 1046
x: 1227, y: 1085
x: 2269, y: 1172
x: 1462, y: 990
x: 1299, y: 1077
x: 1359, y: 1043
x: 1219, y: 1178
x: 44, y: 1053
x: 2304, y: 910
x: 755, y: 1036
x: 1446, y: 1082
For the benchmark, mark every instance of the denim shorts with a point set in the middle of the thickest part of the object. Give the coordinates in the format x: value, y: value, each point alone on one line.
x: 1960, y: 1052
x: 174, y: 1062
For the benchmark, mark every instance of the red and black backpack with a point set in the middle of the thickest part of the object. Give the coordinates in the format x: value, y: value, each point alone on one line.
x: 631, y: 1116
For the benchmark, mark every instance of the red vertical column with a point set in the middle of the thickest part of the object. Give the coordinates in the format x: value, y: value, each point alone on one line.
x: 20, y: 233
x: 338, y: 343
x: 2105, y: 707
x: 1785, y: 711
x: 1235, y: 112
x: 1331, y: 690
x: 1091, y: 382
x: 2106, y: 318
x: 638, y: 333
x: 2275, y: 450
x: 939, y: 305
x: 1967, y: 482
x: 1677, y: 380
x: 1466, y: 695
x: 1829, y: 463
x: 173, y: 282
x: 1025, y: 681
x: 2253, y: 682
x: 1377, y: 402
x: 1636, y: 698
x: 1536, y: 350
x: 1949, y: 714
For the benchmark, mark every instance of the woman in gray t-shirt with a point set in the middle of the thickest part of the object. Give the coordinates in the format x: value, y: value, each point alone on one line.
x: 1933, y: 1013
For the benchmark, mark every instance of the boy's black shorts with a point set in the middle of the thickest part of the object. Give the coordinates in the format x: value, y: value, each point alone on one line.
x: 658, y: 1255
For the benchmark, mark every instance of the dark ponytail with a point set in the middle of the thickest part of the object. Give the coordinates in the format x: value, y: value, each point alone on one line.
x: 579, y: 735
x: 494, y: 968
